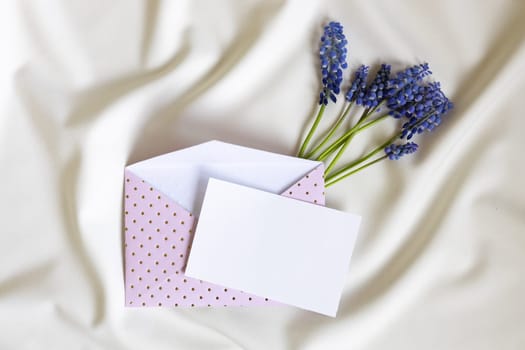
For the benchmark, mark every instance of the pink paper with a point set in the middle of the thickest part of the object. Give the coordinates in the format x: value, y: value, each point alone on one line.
x: 158, y: 235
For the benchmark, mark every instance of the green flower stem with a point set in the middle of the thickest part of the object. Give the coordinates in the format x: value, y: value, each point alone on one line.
x: 345, y: 145
x: 312, y: 130
x: 363, y: 159
x: 332, y: 131
x: 356, y: 129
x: 334, y: 181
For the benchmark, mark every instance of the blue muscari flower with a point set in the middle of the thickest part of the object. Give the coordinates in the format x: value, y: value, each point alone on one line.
x: 333, y: 60
x: 426, y: 114
x: 407, y: 77
x: 357, y: 89
x: 394, y: 152
x: 404, y: 88
x: 375, y: 93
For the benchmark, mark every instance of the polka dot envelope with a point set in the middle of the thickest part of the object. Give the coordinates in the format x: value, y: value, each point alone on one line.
x: 163, y: 196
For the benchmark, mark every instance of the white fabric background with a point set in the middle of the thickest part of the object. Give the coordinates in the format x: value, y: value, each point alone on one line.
x: 90, y: 86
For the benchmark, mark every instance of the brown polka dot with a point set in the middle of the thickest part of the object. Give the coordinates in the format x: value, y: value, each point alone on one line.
x: 250, y: 298
x: 182, y: 239
x: 183, y: 297
x: 127, y: 180
x: 182, y: 222
x: 174, y: 214
x: 134, y: 188
x: 307, y: 193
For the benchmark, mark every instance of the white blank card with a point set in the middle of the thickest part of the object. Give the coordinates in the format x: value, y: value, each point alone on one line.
x: 284, y: 249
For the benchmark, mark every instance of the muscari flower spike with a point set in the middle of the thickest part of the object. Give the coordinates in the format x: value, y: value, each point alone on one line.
x: 426, y: 114
x: 357, y: 89
x: 375, y: 93
x: 394, y: 152
x: 407, y: 77
x: 333, y: 60
x: 404, y: 87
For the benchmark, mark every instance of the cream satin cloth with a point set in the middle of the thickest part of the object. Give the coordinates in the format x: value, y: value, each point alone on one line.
x: 96, y: 85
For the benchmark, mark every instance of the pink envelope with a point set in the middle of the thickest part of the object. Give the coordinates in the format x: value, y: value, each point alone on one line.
x: 161, y: 195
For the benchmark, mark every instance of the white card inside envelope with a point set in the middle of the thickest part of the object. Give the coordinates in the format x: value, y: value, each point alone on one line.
x: 268, y: 245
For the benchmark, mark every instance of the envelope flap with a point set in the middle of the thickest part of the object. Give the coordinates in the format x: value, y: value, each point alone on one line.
x: 183, y: 175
